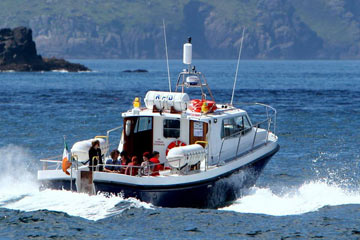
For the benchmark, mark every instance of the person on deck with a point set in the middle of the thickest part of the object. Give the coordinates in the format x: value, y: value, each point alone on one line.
x: 95, y: 156
x: 156, y: 166
x: 113, y: 161
x: 124, y: 161
x: 145, y: 165
x: 132, y: 168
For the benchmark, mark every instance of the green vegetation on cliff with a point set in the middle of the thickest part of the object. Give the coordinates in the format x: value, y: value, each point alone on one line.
x: 276, y: 29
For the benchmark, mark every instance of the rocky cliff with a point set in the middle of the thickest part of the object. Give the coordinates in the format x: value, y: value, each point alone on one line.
x: 18, y: 53
x: 275, y: 29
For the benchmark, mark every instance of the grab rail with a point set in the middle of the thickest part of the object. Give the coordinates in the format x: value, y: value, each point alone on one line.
x: 267, y: 108
x: 141, y: 169
x: 270, y: 120
x: 149, y: 167
x: 107, y: 138
x: 56, y: 160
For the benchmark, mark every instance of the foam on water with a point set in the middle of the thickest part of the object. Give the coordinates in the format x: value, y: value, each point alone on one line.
x: 60, y: 71
x: 306, y: 198
x: 19, y: 190
x: 76, y: 204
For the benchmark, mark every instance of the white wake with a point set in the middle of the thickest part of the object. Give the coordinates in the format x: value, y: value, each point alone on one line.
x: 308, y: 197
x: 19, y: 190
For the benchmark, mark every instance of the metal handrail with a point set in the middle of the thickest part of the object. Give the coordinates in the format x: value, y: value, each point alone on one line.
x: 108, y: 138
x: 56, y: 160
x: 269, y: 117
x: 204, y: 142
x: 49, y: 160
x: 267, y: 107
x: 126, y: 166
x: 253, y: 143
x: 111, y: 130
x: 52, y: 158
x: 151, y: 165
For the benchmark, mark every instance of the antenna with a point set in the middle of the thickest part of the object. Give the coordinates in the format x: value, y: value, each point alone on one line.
x: 237, y: 67
x: 167, y: 57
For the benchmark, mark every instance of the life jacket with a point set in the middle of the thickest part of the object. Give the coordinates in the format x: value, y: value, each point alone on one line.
x: 132, y: 171
x: 158, y: 167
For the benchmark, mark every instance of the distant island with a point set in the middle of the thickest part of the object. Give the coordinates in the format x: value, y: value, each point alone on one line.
x: 18, y: 53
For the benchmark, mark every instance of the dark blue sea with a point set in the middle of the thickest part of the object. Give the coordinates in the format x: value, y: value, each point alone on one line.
x: 309, y: 190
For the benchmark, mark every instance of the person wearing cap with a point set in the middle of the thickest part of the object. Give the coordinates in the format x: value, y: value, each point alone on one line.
x: 145, y: 165
x: 110, y: 164
x: 155, y: 163
x: 95, y: 156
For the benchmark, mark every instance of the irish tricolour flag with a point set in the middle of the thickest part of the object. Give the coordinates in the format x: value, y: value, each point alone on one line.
x: 65, y: 160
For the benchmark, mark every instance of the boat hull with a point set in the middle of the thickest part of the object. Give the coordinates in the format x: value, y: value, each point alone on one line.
x: 211, y: 193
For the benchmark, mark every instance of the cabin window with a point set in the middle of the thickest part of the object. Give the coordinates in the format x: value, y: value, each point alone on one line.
x: 128, y: 127
x: 143, y: 124
x: 171, y: 128
x: 246, y: 126
x: 231, y: 127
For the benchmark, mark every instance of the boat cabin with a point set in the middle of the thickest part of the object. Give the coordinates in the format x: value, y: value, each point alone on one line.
x: 148, y: 131
x: 172, y: 119
x: 202, y: 144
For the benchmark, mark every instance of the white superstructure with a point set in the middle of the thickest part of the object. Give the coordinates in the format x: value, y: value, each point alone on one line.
x: 199, y: 142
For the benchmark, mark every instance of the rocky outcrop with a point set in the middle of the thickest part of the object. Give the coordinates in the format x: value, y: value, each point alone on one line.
x: 18, y: 53
x: 135, y: 71
x: 282, y: 35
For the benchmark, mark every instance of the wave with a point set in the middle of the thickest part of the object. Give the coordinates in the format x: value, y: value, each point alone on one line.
x: 76, y: 204
x: 309, y: 197
x: 66, y: 71
x: 60, y: 71
x: 19, y: 190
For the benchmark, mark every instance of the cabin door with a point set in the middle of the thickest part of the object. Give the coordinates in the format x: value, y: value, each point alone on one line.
x: 138, y: 134
x: 198, y: 131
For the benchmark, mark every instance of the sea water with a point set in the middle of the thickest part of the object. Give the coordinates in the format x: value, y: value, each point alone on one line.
x: 309, y: 189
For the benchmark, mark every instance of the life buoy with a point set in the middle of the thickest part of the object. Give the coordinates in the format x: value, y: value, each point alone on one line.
x: 196, y: 104
x: 176, y: 143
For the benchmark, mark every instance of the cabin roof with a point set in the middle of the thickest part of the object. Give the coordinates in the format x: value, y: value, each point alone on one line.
x: 222, y: 111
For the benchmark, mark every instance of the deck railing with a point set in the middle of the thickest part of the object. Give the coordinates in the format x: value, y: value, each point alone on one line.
x: 52, y: 162
x: 55, y: 162
x: 149, y: 170
x: 271, y: 124
x: 142, y: 170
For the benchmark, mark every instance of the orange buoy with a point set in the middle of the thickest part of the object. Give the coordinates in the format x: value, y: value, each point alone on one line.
x: 197, y: 104
x: 176, y: 143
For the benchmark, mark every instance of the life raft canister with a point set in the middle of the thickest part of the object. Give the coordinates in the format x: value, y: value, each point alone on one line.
x: 197, y: 104
x: 176, y: 143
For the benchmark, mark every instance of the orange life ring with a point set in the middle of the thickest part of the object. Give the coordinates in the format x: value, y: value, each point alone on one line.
x: 196, y: 104
x: 176, y: 143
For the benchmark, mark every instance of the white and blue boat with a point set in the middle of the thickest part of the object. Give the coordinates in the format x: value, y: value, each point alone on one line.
x: 211, y: 151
